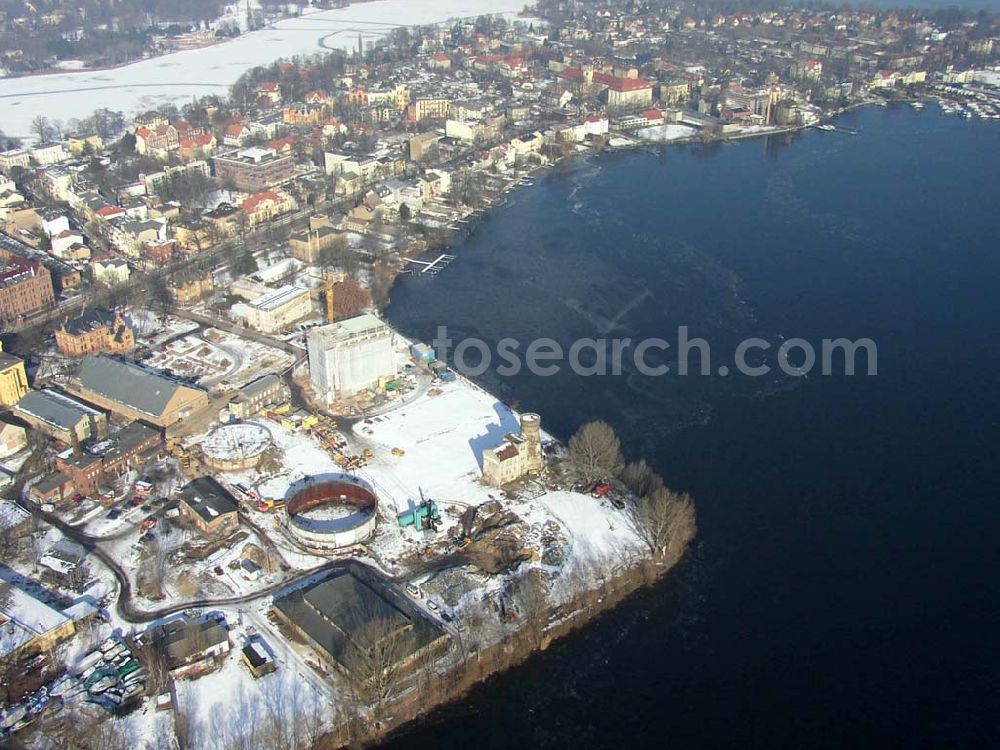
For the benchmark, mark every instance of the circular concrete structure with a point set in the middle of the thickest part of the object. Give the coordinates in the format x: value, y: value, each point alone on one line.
x: 235, y: 447
x: 332, y: 514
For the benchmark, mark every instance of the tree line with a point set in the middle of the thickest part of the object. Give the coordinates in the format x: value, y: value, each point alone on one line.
x: 663, y: 518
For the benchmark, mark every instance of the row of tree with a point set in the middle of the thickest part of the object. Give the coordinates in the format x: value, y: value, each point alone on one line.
x: 664, y: 519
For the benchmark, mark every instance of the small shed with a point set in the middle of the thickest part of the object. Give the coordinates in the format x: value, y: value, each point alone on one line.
x: 258, y: 658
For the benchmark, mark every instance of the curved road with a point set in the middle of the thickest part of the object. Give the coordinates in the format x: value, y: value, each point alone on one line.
x: 128, y: 611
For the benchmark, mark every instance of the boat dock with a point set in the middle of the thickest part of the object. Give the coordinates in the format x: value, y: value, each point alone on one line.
x: 434, y: 266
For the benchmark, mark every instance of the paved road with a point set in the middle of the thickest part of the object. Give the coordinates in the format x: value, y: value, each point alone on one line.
x: 127, y: 609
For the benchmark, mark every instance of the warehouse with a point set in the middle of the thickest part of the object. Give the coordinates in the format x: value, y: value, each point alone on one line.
x: 61, y: 417
x: 345, y: 616
x: 135, y: 392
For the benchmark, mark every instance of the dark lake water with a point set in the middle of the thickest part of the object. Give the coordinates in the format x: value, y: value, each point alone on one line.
x: 843, y: 591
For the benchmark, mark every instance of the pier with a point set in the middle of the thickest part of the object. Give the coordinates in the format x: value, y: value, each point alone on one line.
x: 434, y: 266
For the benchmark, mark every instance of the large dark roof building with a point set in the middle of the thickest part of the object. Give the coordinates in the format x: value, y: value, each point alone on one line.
x: 136, y: 392
x: 344, y: 615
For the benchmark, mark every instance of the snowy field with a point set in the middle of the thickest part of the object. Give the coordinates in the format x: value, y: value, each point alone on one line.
x: 670, y: 132
x: 443, y: 437
x: 177, y: 77
x: 193, y: 357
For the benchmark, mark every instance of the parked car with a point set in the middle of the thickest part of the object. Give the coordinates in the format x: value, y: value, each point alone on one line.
x: 432, y: 605
x: 412, y: 591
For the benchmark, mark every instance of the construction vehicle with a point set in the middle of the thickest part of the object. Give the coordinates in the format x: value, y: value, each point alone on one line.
x: 369, y: 453
x: 147, y: 524
x: 268, y: 504
x: 398, y: 452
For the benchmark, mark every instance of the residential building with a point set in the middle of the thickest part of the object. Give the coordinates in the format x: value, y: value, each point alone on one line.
x: 25, y: 284
x: 209, y: 507
x: 420, y: 145
x: 135, y: 392
x: 185, y: 289
x: 439, y: 61
x: 156, y: 141
x: 61, y: 416
x: 13, y: 439
x: 69, y: 245
x: 14, y: 158
x: 350, y: 356
x: 196, y: 147
x: 265, y: 206
x: 13, y: 380
x: 78, y: 144
x: 95, y: 330
x: 110, y: 271
x: 49, y: 153
x: 428, y: 108
x: 254, y: 169
x: 302, y: 114
x: 269, y: 91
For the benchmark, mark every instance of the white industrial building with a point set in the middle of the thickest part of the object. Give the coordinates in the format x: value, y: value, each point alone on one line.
x: 275, y: 310
x: 350, y: 356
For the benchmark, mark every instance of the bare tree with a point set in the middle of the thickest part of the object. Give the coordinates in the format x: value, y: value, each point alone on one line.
x: 41, y: 127
x: 640, y: 478
x: 78, y: 732
x: 155, y: 569
x: 666, y: 521
x: 154, y: 659
x: 373, y: 666
x: 594, y: 452
x: 531, y: 595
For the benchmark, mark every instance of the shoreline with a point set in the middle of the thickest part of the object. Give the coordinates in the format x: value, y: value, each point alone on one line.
x: 561, y: 620
x: 477, y: 667
x: 472, y: 219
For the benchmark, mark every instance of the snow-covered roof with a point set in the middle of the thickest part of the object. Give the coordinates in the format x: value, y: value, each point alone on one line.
x: 24, y: 618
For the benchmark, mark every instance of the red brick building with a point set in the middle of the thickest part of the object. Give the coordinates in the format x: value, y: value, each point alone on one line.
x: 103, y: 462
x: 25, y: 287
x: 94, y: 331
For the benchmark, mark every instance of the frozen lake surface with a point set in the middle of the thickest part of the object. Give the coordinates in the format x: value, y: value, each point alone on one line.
x: 182, y: 75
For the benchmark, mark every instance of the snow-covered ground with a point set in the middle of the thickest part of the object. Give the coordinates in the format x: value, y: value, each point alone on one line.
x: 669, y: 132
x: 194, y: 357
x: 179, y: 76
x: 443, y: 437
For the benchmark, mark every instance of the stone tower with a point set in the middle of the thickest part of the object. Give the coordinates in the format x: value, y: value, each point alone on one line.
x: 531, y: 432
